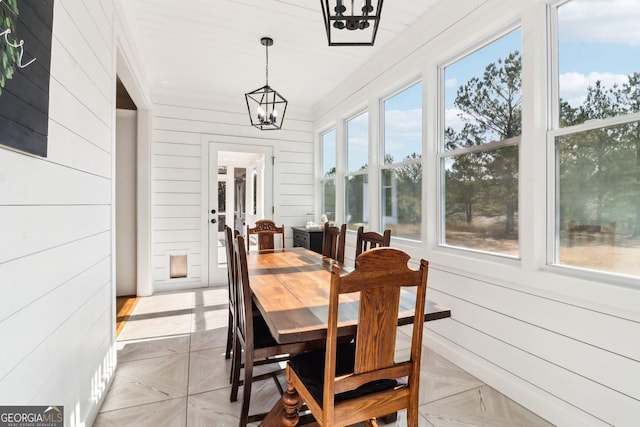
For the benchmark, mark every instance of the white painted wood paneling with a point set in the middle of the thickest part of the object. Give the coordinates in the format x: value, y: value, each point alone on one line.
x: 180, y: 211
x: 172, y: 148
x: 71, y: 74
x: 173, y: 174
x: 56, y: 215
x: 67, y: 111
x: 23, y: 284
x: 49, y: 183
x: 77, y: 152
x: 84, y: 54
x: 174, y: 199
x: 47, y: 226
x: 44, y: 318
x: 178, y: 214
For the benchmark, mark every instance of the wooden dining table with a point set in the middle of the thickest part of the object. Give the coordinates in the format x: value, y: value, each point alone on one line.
x: 291, y: 289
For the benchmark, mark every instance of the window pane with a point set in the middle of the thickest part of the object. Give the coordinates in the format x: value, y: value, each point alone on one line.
x: 356, y: 201
x: 481, y: 200
x: 599, y: 71
x: 329, y: 153
x: 329, y: 199
x: 358, y: 142
x: 482, y: 95
x: 403, y: 125
x: 401, y: 200
x: 483, y: 105
x: 599, y: 199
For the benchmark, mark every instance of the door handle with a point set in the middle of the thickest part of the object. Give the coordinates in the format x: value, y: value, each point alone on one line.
x: 213, y: 211
x: 213, y: 221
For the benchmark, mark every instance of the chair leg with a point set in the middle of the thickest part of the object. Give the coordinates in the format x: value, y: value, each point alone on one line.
x: 291, y: 402
x: 235, y: 372
x: 234, y: 345
x: 246, y: 389
x: 412, y: 416
x: 230, y: 328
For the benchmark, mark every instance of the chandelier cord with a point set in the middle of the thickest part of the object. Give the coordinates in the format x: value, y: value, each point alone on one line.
x: 266, y: 46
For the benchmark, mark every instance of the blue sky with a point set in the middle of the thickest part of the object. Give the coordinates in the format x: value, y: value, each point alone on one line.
x: 598, y: 40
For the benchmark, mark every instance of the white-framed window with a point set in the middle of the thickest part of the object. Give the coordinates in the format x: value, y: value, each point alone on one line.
x: 401, y: 168
x: 594, y: 136
x: 356, y: 179
x: 328, y: 178
x: 478, y: 153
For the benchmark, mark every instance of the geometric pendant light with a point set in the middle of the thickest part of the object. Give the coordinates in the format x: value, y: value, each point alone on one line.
x: 266, y: 106
x: 350, y: 23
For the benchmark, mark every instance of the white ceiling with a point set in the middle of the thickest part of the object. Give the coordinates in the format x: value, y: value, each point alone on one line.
x: 212, y: 47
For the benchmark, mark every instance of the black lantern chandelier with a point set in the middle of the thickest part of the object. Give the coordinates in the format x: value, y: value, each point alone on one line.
x: 350, y: 23
x: 266, y: 106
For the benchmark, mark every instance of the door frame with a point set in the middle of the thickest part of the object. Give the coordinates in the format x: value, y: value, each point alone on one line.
x: 209, y: 143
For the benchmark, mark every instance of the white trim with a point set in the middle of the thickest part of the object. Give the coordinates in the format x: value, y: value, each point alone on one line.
x: 596, y: 124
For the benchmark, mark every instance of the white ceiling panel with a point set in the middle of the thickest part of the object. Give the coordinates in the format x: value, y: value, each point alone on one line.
x: 212, y: 47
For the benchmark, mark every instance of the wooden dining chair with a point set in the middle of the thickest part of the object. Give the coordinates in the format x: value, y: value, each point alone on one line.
x: 345, y: 384
x: 265, y: 229
x: 255, y: 345
x: 231, y: 273
x: 333, y: 242
x: 371, y: 239
x: 232, y: 278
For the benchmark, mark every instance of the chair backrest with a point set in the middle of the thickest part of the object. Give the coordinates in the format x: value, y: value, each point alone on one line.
x: 231, y: 267
x: 379, y: 277
x: 371, y: 239
x: 333, y: 242
x: 265, y: 229
x: 244, y: 324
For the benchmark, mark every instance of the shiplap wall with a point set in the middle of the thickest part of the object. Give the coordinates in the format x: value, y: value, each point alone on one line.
x: 178, y: 214
x: 56, y: 290
x: 564, y: 346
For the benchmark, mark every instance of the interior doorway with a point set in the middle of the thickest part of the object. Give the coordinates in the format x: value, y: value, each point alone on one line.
x: 125, y: 193
x: 240, y: 191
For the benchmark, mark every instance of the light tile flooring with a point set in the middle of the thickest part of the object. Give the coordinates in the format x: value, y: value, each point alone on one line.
x: 172, y: 372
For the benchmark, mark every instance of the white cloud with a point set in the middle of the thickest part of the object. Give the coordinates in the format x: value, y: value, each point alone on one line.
x: 406, y: 123
x: 451, y: 82
x: 404, y: 128
x: 579, y: 82
x: 453, y: 119
x: 573, y: 86
x: 605, y: 21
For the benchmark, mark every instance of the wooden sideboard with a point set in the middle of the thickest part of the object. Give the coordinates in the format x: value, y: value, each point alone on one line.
x: 307, y: 239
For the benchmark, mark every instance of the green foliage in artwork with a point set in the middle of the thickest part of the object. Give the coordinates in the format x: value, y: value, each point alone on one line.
x: 9, y: 56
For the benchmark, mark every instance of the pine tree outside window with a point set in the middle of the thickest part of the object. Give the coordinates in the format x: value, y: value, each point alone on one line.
x: 328, y: 179
x: 595, y: 137
x: 479, y: 150
x: 401, y: 169
x: 356, y: 179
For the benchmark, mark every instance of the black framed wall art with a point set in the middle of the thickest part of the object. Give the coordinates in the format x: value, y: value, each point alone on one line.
x: 25, y: 61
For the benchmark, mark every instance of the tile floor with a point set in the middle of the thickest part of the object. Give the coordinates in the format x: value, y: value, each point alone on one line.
x: 172, y: 372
